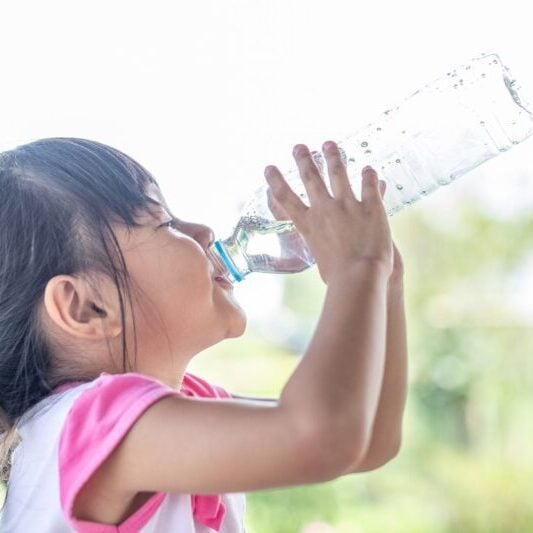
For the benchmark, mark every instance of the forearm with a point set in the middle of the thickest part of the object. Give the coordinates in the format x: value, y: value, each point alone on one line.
x: 387, y: 430
x: 339, y: 377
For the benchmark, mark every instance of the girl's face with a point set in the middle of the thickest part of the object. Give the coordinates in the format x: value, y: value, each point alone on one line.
x: 179, y: 307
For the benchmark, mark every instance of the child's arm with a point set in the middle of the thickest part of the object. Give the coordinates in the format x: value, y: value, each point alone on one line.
x: 320, y: 425
x: 387, y: 432
x: 213, y: 446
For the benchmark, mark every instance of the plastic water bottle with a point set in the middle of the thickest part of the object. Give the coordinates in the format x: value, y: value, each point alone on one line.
x: 439, y: 133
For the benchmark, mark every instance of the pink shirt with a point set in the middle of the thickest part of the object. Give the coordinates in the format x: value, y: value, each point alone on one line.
x: 78, y: 428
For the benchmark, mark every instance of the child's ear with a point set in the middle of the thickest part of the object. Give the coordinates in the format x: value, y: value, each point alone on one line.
x: 79, y: 310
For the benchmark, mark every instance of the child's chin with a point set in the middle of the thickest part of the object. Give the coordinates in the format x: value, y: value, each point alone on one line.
x: 238, y: 327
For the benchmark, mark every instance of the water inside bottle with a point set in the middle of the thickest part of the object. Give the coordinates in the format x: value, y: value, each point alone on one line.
x: 260, y: 244
x: 259, y: 236
x: 251, y: 225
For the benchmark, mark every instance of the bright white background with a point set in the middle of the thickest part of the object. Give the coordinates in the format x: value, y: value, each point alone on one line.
x: 206, y: 93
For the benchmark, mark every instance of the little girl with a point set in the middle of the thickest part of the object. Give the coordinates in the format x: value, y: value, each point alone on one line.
x: 105, y: 297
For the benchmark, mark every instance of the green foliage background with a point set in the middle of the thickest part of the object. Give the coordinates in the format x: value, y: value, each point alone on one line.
x: 466, y: 462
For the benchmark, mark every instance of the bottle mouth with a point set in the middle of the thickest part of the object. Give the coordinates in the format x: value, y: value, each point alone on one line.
x: 224, y: 267
x: 509, y: 103
x: 516, y: 92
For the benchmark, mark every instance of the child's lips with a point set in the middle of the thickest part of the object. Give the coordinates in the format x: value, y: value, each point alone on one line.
x: 221, y: 280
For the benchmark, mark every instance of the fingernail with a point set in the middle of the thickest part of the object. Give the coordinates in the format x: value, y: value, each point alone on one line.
x: 268, y: 170
x: 368, y: 167
x: 299, y: 150
x: 328, y: 146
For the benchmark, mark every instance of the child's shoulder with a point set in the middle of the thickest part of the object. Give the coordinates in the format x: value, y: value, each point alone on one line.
x: 113, y: 391
x: 191, y: 385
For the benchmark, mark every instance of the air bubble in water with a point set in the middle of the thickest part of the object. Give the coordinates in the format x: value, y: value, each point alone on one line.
x: 398, y: 161
x: 364, y: 144
x: 482, y: 122
x: 351, y: 160
x: 378, y: 129
x: 399, y: 186
x: 483, y: 75
x: 368, y: 151
x: 403, y: 131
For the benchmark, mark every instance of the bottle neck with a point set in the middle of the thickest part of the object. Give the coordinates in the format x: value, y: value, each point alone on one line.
x: 229, y: 259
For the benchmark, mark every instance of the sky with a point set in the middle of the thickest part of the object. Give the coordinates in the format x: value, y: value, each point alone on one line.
x: 205, y: 94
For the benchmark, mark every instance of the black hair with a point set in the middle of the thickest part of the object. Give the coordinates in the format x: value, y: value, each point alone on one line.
x: 58, y: 199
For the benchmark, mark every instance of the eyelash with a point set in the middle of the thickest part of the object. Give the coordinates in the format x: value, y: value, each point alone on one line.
x: 171, y: 224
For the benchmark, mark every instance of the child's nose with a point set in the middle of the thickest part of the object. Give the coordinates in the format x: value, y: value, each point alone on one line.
x: 204, y: 235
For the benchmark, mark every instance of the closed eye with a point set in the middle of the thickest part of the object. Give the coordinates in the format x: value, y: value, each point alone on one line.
x: 180, y: 227
x: 173, y: 224
x: 177, y: 226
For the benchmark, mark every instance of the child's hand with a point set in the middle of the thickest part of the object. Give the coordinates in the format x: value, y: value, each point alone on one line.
x: 340, y: 230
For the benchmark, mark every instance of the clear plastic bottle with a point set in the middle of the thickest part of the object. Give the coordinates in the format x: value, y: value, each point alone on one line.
x: 439, y: 133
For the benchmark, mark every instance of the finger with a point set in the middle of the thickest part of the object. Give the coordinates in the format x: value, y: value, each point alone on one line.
x: 338, y: 175
x: 284, y: 195
x: 309, y: 174
x: 369, y: 185
x: 275, y: 207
